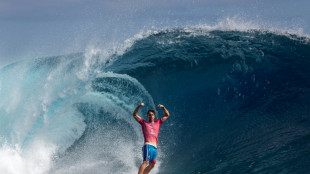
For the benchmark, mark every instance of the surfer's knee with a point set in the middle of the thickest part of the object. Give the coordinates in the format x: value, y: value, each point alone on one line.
x: 152, y: 165
x: 145, y: 163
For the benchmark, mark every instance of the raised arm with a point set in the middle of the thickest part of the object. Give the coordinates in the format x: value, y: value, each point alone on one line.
x: 164, y: 118
x: 135, y: 113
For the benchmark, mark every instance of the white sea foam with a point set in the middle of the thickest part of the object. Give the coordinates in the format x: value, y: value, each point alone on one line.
x: 43, y: 121
x: 37, y: 117
x: 34, y: 160
x: 39, y: 120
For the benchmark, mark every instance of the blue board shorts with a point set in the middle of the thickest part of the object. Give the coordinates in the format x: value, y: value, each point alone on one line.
x: 149, y: 153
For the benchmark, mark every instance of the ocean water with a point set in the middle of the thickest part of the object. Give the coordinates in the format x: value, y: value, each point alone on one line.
x: 238, y: 97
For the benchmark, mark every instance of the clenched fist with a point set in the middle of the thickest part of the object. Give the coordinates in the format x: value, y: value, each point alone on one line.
x: 160, y: 106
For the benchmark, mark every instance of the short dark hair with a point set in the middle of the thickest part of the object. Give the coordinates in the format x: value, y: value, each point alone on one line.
x: 151, y: 110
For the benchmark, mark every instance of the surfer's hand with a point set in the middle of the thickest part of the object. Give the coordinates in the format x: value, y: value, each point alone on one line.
x: 141, y: 104
x: 160, y: 106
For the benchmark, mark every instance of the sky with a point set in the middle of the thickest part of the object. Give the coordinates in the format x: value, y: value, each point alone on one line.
x: 33, y: 29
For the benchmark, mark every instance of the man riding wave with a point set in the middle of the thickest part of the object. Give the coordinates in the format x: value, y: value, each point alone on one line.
x: 150, y: 131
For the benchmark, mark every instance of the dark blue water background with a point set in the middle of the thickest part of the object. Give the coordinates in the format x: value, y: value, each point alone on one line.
x: 239, y: 103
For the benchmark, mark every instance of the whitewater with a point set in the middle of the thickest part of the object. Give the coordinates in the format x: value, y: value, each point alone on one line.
x: 238, y: 95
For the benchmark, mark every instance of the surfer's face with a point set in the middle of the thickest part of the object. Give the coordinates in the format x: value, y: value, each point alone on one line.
x: 151, y: 116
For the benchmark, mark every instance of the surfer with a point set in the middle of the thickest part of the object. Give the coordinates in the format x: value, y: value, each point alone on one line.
x: 150, y: 131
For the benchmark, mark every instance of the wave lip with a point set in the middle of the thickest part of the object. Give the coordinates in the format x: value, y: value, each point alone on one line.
x: 228, y: 85
x: 239, y: 95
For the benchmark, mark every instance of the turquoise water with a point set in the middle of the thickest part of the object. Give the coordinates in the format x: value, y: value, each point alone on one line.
x: 238, y: 100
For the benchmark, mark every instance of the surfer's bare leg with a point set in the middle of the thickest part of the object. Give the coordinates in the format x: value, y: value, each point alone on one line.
x: 143, y: 166
x: 148, y: 168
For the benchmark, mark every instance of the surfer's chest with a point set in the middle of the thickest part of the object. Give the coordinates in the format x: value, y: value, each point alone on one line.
x: 151, y: 128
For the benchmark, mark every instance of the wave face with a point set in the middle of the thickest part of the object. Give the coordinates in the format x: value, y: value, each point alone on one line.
x: 238, y: 102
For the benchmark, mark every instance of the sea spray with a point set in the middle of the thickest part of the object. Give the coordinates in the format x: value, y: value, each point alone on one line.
x: 238, y: 99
